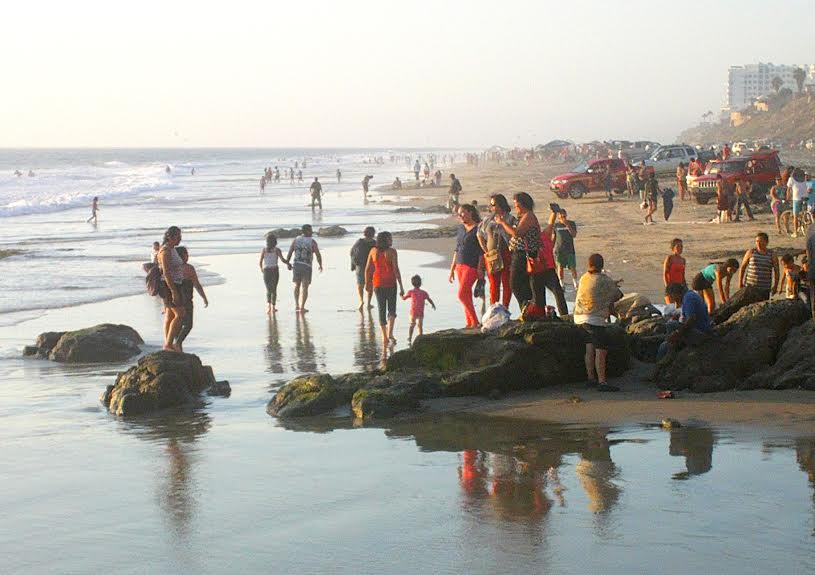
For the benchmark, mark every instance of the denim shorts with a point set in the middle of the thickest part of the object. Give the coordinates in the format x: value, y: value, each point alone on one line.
x: 798, y: 207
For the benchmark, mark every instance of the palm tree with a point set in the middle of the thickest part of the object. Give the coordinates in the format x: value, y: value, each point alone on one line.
x: 777, y: 83
x: 800, y: 76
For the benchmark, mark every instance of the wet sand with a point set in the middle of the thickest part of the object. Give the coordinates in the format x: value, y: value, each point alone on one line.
x: 635, y: 253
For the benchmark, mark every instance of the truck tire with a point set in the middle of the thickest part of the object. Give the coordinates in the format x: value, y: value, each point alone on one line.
x: 701, y: 199
x: 576, y: 191
x: 562, y: 194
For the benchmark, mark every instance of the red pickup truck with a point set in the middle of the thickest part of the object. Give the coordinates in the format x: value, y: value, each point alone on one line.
x: 760, y: 168
x: 590, y: 177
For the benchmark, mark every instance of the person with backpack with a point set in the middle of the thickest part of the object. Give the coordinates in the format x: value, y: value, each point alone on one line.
x: 359, y: 258
x: 172, y: 270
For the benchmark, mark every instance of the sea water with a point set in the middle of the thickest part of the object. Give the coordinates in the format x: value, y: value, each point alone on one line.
x: 227, y: 488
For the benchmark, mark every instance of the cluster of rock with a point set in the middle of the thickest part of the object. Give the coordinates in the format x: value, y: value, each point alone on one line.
x: 101, y: 343
x: 162, y: 380
x: 428, y: 233
x: 518, y: 356
x: 326, y: 232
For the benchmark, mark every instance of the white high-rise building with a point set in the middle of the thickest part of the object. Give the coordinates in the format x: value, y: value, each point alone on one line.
x: 746, y: 83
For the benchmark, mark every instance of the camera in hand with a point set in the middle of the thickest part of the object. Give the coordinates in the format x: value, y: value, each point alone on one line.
x: 555, y: 208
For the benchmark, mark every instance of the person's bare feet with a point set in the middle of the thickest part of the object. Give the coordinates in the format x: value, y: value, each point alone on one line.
x: 361, y: 305
x: 297, y: 310
x: 303, y: 310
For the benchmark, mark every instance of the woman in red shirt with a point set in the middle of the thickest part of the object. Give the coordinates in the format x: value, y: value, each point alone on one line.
x: 382, y: 273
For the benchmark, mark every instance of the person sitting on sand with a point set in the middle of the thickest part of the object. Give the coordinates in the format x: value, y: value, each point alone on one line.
x: 316, y: 190
x: 172, y: 270
x: 305, y: 249
x: 94, y: 209
x: 270, y: 258
x: 673, y: 268
x: 694, y: 322
x: 397, y: 184
x: 189, y: 283
x: 759, y: 268
x: 417, y: 297
x: 381, y: 276
x: 359, y: 260
x: 718, y: 274
x: 596, y: 294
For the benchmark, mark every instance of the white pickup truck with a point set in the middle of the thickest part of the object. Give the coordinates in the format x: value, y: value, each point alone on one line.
x: 667, y: 158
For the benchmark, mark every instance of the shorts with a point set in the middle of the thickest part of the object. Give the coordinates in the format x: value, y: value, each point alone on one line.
x: 700, y: 283
x: 566, y: 260
x: 798, y: 206
x: 301, y: 273
x: 597, y: 335
x: 360, y: 273
x: 167, y: 296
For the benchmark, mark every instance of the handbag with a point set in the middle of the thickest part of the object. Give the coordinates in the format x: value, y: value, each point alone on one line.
x: 494, y: 261
x: 534, y: 265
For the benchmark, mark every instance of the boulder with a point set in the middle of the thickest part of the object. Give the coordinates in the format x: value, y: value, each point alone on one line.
x: 382, y: 403
x: 282, y: 233
x: 219, y: 389
x: 408, y: 210
x: 746, y: 343
x: 794, y: 366
x: 101, y: 343
x: 307, y: 395
x: 648, y: 327
x: 428, y: 233
x: 332, y: 232
x: 437, y: 209
x: 158, y: 381
x: 742, y: 298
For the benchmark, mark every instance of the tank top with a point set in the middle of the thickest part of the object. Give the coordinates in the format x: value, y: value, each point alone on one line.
x: 528, y: 243
x: 676, y: 271
x: 175, y: 269
x: 760, y: 270
x: 709, y: 272
x: 269, y: 259
x: 384, y: 273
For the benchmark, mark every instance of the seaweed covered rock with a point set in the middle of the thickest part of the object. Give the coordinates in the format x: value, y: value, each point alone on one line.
x: 746, y: 343
x: 794, y: 366
x: 313, y: 394
x: 100, y: 343
x: 158, y: 381
x: 746, y: 296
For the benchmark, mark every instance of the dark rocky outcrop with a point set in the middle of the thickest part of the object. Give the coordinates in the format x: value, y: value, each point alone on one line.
x: 742, y: 298
x: 158, y: 381
x: 428, y: 233
x: 101, y: 343
x: 332, y: 232
x: 283, y: 233
x: 407, y: 210
x: 747, y: 343
x: 454, y: 363
x: 437, y: 209
x: 795, y: 365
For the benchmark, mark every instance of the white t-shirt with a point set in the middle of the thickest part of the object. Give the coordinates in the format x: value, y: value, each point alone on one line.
x: 798, y: 190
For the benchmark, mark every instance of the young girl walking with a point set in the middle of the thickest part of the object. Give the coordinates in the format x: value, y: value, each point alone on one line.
x: 270, y: 267
x: 417, y: 297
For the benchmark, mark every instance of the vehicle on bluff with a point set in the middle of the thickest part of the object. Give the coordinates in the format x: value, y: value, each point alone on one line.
x: 760, y: 168
x: 590, y: 177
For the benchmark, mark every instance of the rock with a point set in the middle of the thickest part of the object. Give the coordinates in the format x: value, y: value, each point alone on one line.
x: 159, y: 380
x: 219, y: 388
x: 795, y: 365
x: 648, y: 327
x: 307, y: 395
x: 408, y: 210
x: 428, y: 233
x: 100, y: 343
x: 669, y: 423
x: 282, y: 233
x: 46, y: 341
x: 745, y: 344
x: 381, y: 403
x: 646, y: 336
x: 437, y: 209
x: 742, y: 298
x: 31, y: 350
x: 332, y: 232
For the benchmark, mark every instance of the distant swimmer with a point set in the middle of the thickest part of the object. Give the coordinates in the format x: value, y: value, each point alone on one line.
x: 300, y: 176
x: 339, y: 175
x: 316, y: 190
x: 277, y: 175
x: 365, y: 182
x: 167, y: 169
x: 192, y: 171
x: 18, y: 173
x: 30, y: 173
x: 262, y: 184
x: 94, y: 209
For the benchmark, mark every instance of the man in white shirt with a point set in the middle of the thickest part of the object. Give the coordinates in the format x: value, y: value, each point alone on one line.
x: 798, y: 191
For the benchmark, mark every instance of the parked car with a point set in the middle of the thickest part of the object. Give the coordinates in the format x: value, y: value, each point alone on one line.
x: 589, y: 177
x: 668, y: 158
x: 739, y: 148
x: 760, y: 168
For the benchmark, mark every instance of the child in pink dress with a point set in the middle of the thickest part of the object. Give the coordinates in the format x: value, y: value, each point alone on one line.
x: 417, y: 297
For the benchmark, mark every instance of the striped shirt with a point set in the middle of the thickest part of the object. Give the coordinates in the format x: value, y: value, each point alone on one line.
x: 760, y: 270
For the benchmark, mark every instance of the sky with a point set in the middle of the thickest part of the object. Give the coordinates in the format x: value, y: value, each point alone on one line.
x: 358, y: 73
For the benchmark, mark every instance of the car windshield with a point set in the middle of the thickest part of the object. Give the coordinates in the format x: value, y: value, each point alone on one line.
x: 580, y: 168
x: 725, y: 168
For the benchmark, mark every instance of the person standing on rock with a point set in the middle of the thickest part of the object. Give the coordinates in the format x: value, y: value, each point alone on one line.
x: 359, y: 260
x: 305, y: 249
x: 172, y: 269
x: 694, y: 323
x: 381, y: 276
x: 759, y: 268
x: 494, y: 241
x: 565, y: 231
x: 596, y: 293
x: 465, y: 261
x: 189, y: 283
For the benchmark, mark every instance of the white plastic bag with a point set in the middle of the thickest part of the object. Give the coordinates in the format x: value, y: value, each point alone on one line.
x: 495, y: 316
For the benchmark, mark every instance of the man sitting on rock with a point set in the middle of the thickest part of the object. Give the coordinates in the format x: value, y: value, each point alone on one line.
x: 694, y: 322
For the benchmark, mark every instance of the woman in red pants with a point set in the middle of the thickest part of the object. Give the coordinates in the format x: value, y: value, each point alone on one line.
x: 494, y: 242
x: 465, y: 261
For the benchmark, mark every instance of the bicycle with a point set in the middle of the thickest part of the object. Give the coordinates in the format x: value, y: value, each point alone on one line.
x: 804, y: 221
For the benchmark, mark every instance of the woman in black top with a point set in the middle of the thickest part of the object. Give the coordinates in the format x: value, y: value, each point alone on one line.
x: 465, y: 261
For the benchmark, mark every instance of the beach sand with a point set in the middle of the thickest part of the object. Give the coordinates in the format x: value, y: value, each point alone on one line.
x: 635, y: 253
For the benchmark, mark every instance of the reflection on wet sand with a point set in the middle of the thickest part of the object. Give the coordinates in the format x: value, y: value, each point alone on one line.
x: 273, y: 350
x: 366, y: 355
x: 805, y: 456
x: 695, y: 444
x: 176, y: 433
x: 308, y: 358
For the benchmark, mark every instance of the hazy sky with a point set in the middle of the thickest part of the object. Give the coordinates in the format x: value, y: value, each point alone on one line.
x: 376, y: 73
